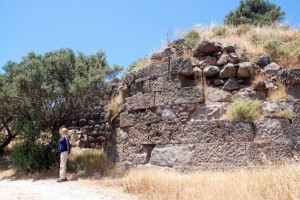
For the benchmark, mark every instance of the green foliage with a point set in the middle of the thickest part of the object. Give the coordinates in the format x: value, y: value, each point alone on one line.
x: 245, y: 109
x: 31, y: 157
x: 285, y: 114
x: 256, y: 12
x: 191, y: 38
x: 219, y: 30
x: 90, y: 161
x: 52, y: 88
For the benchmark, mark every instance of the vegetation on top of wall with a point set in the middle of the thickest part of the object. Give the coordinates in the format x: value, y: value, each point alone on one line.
x: 139, y: 64
x: 281, y: 42
x: 191, y: 38
x: 244, y: 109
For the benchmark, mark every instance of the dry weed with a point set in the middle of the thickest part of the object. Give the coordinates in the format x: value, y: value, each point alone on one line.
x: 276, y: 183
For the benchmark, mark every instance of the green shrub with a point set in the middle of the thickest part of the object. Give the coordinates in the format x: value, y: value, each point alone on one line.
x: 219, y: 30
x: 244, y: 109
x: 285, y: 114
x: 31, y: 157
x: 89, y: 162
x: 191, y: 38
x: 242, y: 29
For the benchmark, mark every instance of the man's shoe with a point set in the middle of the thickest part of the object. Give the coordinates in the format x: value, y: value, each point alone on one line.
x: 61, y: 180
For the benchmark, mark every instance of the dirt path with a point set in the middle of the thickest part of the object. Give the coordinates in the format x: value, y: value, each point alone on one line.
x: 50, y: 190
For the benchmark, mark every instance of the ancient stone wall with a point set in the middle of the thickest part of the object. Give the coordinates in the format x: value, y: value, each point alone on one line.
x: 172, y: 112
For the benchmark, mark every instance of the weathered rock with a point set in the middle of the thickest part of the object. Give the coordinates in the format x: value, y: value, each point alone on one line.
x: 289, y: 76
x: 271, y: 130
x: 260, y: 86
x: 206, y: 47
x: 223, y: 60
x: 218, y: 82
x: 130, y: 119
x: 211, y: 60
x: 250, y: 94
x: 209, y: 111
x: 266, y: 152
x: 229, y: 48
x: 198, y: 154
x: 180, y: 96
x: 231, y: 84
x: 197, y: 71
x: 272, y: 69
x: 168, y: 114
x: 263, y: 61
x: 293, y: 91
x: 243, y: 72
x: 228, y: 71
x: 233, y: 58
x: 182, y: 66
x: 218, y: 95
x: 249, y: 66
x: 211, y: 71
x: 140, y: 101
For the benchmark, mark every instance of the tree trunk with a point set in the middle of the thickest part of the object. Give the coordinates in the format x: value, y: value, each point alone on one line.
x: 10, y: 137
x: 55, y: 132
x: 7, y: 141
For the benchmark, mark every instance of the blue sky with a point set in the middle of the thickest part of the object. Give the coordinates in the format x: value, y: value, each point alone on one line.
x: 125, y: 30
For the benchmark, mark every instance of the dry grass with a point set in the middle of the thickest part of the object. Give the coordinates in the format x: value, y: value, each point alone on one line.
x: 202, y: 84
x: 255, y: 41
x: 139, y: 64
x: 279, y: 93
x: 113, y: 106
x: 276, y: 183
x: 259, y: 78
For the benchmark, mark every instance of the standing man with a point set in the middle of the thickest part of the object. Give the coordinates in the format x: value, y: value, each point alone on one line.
x: 64, y: 150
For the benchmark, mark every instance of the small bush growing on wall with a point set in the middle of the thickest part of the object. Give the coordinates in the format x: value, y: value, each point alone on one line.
x: 244, y: 109
x: 191, y: 38
x: 285, y: 114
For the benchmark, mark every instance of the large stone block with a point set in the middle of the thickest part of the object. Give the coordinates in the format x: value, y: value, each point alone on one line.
x: 170, y: 81
x: 213, y: 131
x: 180, y: 96
x: 172, y: 155
x: 131, y: 154
x: 199, y: 154
x: 240, y: 131
x: 140, y: 101
x: 264, y: 152
x: 272, y: 130
x: 289, y: 76
x: 131, y: 119
x: 202, y: 131
x: 160, y: 69
x: 181, y: 66
x: 143, y: 73
x: 159, y: 133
